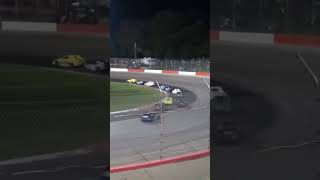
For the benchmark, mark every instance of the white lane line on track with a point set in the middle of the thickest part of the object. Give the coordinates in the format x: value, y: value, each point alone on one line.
x: 313, y: 75
x: 52, y: 156
x: 64, y: 168
x: 206, y: 83
x: 126, y: 115
x: 28, y: 172
x: 201, y: 107
x: 290, y: 146
x: 57, y: 169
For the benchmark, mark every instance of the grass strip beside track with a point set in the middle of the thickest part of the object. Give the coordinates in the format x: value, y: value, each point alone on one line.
x: 49, y: 111
x: 127, y: 96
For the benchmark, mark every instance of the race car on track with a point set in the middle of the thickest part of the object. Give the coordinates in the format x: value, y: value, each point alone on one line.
x: 131, y: 81
x: 177, y: 92
x: 150, y: 117
x: 181, y: 104
x: 150, y: 83
x: 140, y: 82
x: 220, y: 99
x: 167, y: 101
x: 95, y: 67
x: 226, y: 132
x: 69, y: 61
x: 168, y: 89
x: 158, y: 107
x: 162, y: 87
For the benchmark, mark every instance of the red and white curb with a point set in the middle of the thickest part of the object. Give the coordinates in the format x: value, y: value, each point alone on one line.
x: 54, y: 27
x: 176, y: 159
x: 173, y: 72
x: 265, y: 38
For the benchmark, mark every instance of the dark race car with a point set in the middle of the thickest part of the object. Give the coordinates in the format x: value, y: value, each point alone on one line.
x: 150, y: 117
x: 226, y: 132
x: 157, y: 107
x: 181, y: 104
x: 141, y: 83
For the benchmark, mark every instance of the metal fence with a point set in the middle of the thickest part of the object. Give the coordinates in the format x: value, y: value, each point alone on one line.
x: 194, y: 64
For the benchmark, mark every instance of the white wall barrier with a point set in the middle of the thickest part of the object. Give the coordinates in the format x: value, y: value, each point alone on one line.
x: 118, y: 70
x: 153, y: 71
x: 187, y: 73
x: 28, y: 26
x: 246, y: 37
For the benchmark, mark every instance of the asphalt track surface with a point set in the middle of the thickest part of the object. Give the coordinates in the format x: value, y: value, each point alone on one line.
x: 287, y: 148
x: 188, y: 98
x: 46, y: 44
x: 185, y: 130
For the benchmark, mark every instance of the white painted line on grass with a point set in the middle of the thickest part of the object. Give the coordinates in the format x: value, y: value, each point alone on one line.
x: 124, y: 115
x: 124, y: 111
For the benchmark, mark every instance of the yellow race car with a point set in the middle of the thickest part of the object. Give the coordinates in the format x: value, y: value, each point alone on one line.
x: 167, y: 101
x: 69, y: 61
x: 132, y: 81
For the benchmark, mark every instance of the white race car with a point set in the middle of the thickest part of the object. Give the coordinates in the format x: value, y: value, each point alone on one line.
x: 177, y: 92
x: 149, y: 84
x: 98, y: 66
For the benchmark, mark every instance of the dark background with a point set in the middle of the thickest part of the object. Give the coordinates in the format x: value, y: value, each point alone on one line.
x: 162, y: 29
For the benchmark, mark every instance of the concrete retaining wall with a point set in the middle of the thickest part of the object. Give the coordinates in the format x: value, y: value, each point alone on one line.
x: 53, y: 27
x: 265, y: 38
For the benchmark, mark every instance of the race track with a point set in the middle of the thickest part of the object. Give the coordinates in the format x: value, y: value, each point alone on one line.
x: 39, y: 48
x: 285, y: 150
x: 185, y: 130
x: 46, y: 44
